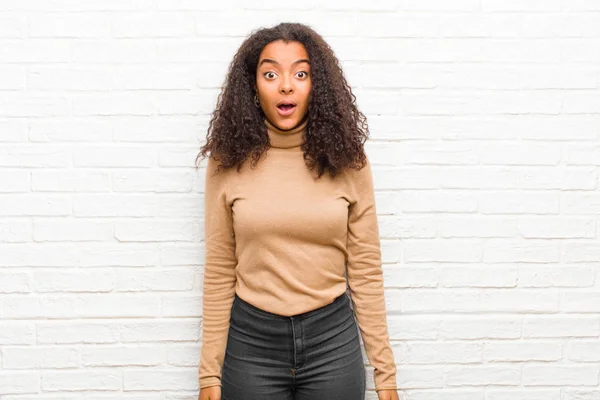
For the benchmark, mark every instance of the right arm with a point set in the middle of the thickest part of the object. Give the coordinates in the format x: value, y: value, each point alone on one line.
x: 219, y: 276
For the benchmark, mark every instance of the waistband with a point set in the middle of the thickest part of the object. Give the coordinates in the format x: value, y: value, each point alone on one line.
x: 338, y: 303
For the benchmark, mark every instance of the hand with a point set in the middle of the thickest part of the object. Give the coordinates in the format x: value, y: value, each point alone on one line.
x: 388, y: 394
x: 210, y: 393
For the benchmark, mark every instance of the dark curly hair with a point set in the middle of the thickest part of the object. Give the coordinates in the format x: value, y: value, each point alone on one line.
x: 336, y: 129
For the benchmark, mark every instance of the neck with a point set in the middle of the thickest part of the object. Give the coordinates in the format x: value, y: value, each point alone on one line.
x: 287, y: 139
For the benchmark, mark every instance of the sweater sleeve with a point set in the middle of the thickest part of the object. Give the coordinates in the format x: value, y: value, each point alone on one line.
x: 219, y: 276
x: 365, y: 279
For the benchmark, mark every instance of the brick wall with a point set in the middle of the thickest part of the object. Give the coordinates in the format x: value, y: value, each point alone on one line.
x: 485, y: 126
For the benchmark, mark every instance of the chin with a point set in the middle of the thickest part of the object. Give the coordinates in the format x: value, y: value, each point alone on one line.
x: 289, y: 122
x: 285, y: 123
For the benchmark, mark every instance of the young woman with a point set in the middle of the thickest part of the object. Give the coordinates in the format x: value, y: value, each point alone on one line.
x: 290, y: 226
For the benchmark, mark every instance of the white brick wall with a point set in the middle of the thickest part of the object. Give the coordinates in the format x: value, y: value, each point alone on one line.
x: 485, y: 127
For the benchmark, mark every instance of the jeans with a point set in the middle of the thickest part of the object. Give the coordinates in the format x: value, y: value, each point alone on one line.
x: 315, y: 355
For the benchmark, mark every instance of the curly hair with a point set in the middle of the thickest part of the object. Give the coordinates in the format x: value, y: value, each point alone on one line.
x: 336, y: 130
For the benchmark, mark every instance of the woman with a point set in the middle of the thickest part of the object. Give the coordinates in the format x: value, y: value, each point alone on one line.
x: 290, y: 225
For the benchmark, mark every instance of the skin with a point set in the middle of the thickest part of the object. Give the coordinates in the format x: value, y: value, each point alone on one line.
x: 283, y: 73
x: 210, y: 393
x: 285, y: 77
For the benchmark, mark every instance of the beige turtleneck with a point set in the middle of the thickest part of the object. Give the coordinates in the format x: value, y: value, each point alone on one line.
x: 286, y: 139
x: 289, y: 243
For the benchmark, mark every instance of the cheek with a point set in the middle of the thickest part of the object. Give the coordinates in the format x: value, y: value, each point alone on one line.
x: 306, y: 93
x: 263, y: 86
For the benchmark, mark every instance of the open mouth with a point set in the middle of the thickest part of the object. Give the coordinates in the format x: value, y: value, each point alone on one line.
x: 286, y: 106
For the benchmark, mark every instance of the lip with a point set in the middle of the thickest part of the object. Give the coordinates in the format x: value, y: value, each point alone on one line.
x: 286, y: 102
x: 286, y: 112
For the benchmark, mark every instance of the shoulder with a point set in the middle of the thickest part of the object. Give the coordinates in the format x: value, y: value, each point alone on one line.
x: 359, y: 175
x: 215, y: 175
x: 357, y: 182
x: 213, y: 166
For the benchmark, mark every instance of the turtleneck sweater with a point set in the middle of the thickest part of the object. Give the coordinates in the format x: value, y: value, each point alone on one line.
x: 288, y: 243
x: 286, y: 139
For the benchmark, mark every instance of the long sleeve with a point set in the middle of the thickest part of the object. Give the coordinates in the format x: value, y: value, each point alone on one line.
x: 219, y: 276
x: 365, y: 279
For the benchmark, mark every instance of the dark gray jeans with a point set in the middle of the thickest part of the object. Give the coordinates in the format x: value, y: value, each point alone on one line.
x: 315, y: 355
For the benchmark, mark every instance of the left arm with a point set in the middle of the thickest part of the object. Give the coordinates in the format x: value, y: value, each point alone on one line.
x: 365, y: 280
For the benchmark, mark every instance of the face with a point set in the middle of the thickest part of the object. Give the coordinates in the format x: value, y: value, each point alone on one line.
x: 283, y: 76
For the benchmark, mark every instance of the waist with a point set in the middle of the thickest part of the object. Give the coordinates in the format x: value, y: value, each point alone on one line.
x: 339, y: 303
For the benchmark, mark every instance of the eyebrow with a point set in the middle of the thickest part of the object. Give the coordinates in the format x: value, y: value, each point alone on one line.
x: 268, y: 60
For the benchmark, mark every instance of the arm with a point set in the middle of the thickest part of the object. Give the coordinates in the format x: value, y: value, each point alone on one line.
x: 365, y: 279
x: 219, y: 276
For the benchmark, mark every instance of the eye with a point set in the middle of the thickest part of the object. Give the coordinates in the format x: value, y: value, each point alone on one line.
x: 270, y: 72
x: 303, y: 72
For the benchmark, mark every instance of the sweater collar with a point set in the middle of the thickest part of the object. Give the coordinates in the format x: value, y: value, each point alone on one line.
x: 286, y: 139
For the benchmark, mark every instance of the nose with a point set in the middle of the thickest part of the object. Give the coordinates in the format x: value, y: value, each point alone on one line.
x: 286, y: 86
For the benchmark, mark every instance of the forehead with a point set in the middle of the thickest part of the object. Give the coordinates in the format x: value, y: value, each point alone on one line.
x: 284, y: 53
